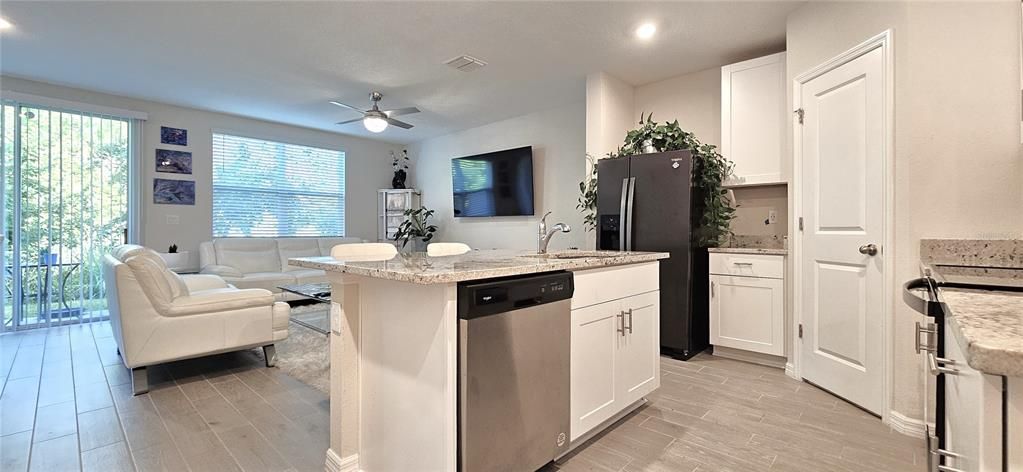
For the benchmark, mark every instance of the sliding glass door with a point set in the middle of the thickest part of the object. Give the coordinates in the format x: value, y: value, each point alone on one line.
x: 65, y: 204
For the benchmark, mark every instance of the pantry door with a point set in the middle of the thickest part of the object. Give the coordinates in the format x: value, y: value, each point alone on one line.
x: 841, y: 149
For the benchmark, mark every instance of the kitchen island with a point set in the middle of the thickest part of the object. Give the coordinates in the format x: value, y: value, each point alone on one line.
x: 394, y: 347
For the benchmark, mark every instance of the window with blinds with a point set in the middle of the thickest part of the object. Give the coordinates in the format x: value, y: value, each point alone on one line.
x: 270, y: 189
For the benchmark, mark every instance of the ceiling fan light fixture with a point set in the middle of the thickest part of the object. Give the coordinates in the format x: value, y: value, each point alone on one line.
x: 374, y: 124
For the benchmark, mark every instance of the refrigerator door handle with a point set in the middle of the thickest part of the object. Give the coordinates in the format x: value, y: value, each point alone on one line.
x: 621, y: 215
x: 628, y: 216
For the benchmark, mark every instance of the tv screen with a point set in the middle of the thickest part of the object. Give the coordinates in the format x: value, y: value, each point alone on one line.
x: 494, y: 184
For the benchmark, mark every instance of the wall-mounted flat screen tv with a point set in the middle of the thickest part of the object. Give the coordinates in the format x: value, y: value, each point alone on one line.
x: 493, y: 184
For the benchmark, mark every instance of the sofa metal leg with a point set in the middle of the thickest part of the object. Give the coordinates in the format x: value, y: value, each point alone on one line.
x: 139, y: 380
x: 270, y: 353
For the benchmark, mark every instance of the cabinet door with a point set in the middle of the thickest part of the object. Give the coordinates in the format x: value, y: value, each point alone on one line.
x: 748, y: 313
x: 638, y: 368
x: 973, y: 413
x: 592, y: 371
x: 753, y: 119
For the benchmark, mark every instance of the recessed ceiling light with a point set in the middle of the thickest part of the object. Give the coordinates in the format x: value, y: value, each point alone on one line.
x: 646, y: 31
x: 4, y: 24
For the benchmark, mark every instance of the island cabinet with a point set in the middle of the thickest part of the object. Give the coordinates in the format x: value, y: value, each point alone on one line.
x: 614, y: 343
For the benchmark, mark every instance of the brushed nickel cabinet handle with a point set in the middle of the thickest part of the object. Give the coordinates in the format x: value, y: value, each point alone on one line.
x: 629, y: 313
x: 621, y: 323
x: 929, y: 331
x: 934, y: 365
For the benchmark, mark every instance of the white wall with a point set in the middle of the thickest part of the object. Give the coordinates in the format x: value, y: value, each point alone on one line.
x: 958, y: 161
x: 558, y: 137
x: 692, y: 99
x: 368, y: 165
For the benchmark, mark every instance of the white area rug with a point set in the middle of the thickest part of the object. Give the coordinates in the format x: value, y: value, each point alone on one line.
x: 305, y: 354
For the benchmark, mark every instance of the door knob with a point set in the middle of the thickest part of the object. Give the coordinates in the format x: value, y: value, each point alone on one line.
x: 868, y: 249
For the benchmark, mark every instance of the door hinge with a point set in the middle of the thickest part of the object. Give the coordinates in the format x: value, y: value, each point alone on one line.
x: 800, y: 330
x: 799, y: 113
x: 800, y: 223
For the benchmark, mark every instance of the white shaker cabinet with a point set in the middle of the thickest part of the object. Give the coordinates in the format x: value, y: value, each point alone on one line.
x: 615, y: 341
x: 747, y: 302
x: 973, y: 412
x: 753, y: 119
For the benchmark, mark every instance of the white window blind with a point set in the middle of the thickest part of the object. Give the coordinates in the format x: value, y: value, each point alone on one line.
x: 270, y: 189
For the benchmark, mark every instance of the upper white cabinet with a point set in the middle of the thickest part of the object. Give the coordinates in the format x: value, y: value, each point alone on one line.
x: 753, y: 118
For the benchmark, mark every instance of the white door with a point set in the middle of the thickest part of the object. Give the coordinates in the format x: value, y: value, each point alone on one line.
x: 593, y: 390
x: 638, y: 360
x: 748, y: 313
x: 842, y: 187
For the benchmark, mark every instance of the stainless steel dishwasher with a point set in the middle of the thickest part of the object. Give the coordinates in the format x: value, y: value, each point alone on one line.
x: 513, y: 378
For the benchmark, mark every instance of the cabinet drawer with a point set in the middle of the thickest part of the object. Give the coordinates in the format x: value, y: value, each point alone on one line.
x: 594, y: 286
x: 748, y: 265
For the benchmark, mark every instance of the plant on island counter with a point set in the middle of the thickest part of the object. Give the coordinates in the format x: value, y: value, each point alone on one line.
x: 710, y: 169
x: 416, y: 226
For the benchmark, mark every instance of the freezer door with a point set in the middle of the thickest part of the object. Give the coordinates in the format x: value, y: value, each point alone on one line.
x: 613, y: 175
x: 660, y: 220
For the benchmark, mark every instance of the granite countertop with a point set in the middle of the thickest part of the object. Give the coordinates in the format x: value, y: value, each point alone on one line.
x: 420, y: 268
x: 749, y: 250
x: 989, y: 327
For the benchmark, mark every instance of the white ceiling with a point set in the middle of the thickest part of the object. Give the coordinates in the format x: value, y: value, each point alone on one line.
x: 282, y: 61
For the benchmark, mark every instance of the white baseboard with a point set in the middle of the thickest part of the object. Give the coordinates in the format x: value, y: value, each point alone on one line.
x: 336, y: 464
x: 766, y: 360
x: 906, y: 425
x: 790, y: 370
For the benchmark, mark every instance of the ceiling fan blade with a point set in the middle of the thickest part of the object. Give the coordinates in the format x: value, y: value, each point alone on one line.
x: 342, y: 105
x: 401, y: 111
x: 400, y: 124
x: 349, y: 121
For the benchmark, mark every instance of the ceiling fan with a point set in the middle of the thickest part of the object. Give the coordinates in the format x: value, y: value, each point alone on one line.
x: 375, y: 119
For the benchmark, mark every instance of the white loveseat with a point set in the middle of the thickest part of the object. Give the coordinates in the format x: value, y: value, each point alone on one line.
x: 263, y: 262
x: 158, y: 316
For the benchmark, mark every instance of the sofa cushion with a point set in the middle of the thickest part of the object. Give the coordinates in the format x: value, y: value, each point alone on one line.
x: 327, y: 243
x: 264, y: 280
x: 309, y: 276
x: 296, y: 247
x: 177, y: 284
x: 248, y: 255
x: 152, y: 280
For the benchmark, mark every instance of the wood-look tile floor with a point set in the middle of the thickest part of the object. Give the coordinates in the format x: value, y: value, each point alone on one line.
x: 716, y: 414
x: 66, y: 405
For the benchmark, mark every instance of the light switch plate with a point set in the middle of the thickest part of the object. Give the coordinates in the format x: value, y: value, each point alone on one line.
x: 173, y: 219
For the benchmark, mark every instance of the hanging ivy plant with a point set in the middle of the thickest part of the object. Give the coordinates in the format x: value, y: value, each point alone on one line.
x: 712, y: 209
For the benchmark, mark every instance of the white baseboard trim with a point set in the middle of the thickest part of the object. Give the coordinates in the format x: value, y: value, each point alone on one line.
x: 766, y: 360
x: 906, y: 425
x: 790, y: 370
x: 336, y: 464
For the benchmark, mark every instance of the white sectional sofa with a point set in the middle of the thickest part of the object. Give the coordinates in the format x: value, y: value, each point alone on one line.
x: 158, y: 316
x: 263, y: 262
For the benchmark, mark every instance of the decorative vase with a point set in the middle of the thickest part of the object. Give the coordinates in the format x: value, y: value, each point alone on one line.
x: 398, y: 182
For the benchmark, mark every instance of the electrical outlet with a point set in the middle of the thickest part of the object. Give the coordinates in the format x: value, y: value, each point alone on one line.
x: 772, y: 217
x: 173, y: 219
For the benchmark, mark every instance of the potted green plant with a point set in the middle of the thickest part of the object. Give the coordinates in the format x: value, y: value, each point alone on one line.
x: 712, y: 209
x: 416, y: 229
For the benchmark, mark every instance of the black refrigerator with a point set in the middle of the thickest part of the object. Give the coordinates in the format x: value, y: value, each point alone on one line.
x: 646, y: 203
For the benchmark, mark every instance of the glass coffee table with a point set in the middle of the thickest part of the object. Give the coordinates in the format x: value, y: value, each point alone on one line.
x: 318, y: 292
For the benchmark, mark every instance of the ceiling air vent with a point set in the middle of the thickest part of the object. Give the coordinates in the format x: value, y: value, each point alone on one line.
x: 466, y: 63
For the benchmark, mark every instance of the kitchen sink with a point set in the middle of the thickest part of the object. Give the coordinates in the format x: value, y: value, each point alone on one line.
x: 572, y: 255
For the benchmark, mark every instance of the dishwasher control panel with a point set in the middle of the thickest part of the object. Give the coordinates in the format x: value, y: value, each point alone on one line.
x: 491, y: 296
